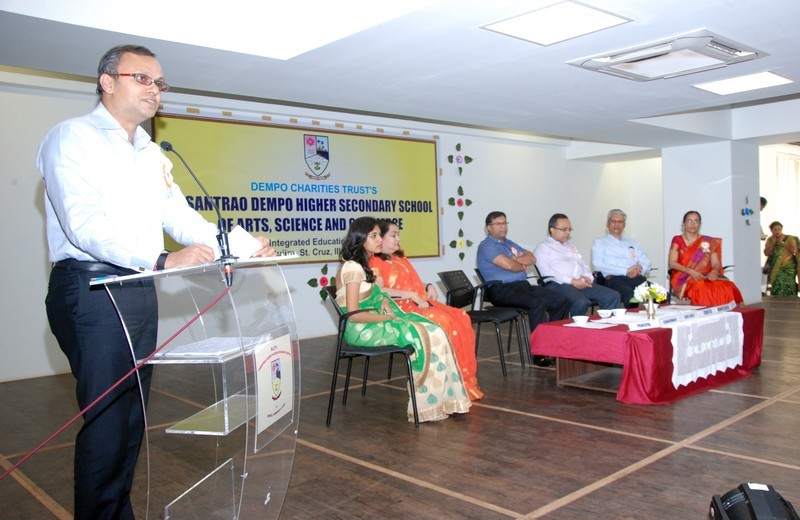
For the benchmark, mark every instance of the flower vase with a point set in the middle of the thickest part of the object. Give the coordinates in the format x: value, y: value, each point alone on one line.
x: 651, y: 308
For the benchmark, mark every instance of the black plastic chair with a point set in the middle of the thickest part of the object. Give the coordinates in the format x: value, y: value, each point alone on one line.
x: 541, y: 281
x: 461, y: 293
x: 523, y: 320
x: 349, y: 352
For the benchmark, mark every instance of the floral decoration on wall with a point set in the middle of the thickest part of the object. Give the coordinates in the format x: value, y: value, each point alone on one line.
x: 323, y: 281
x: 459, y: 159
x: 460, y: 203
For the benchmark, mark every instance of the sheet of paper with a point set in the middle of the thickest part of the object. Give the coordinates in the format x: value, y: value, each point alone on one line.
x: 591, y: 325
x: 242, y: 243
x: 630, y: 317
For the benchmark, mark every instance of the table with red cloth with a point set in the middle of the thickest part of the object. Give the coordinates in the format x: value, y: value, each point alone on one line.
x: 645, y: 357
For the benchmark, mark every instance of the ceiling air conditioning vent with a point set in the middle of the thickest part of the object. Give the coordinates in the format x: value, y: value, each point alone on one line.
x: 675, y: 56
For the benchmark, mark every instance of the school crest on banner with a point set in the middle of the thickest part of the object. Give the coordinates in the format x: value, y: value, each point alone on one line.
x: 276, y: 379
x: 317, y: 154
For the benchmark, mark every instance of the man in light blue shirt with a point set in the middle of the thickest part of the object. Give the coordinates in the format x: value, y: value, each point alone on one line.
x: 621, y: 260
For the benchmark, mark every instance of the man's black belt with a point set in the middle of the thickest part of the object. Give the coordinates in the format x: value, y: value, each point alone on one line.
x: 95, y: 267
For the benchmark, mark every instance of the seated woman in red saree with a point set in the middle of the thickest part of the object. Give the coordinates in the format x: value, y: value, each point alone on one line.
x: 696, y: 266
x: 399, y: 279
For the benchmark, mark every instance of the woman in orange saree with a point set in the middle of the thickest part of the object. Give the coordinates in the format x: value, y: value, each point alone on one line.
x: 400, y: 280
x: 696, y: 266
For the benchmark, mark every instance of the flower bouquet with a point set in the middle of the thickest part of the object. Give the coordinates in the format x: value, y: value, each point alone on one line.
x: 648, y: 290
x: 650, y: 293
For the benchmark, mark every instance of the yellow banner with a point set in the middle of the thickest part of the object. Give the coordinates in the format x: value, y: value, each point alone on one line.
x: 303, y: 187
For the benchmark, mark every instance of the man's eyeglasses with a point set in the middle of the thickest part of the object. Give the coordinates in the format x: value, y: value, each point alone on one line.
x: 144, y: 79
x: 565, y: 229
x: 499, y: 224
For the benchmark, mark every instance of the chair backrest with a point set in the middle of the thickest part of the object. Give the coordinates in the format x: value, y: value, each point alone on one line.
x: 331, y: 290
x: 340, y: 313
x: 481, y: 289
x: 541, y: 280
x: 460, y: 291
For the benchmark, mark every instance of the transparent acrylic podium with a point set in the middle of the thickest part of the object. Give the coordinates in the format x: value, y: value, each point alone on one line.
x: 227, y: 370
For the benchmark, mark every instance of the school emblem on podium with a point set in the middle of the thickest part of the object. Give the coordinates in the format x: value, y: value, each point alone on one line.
x: 276, y: 379
x: 317, y: 155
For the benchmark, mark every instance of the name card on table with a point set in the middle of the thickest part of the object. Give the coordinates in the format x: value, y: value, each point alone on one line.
x: 644, y: 324
x: 669, y: 316
x: 727, y: 307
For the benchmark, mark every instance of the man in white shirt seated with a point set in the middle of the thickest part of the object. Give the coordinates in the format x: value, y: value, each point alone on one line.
x: 565, y: 272
x: 621, y: 260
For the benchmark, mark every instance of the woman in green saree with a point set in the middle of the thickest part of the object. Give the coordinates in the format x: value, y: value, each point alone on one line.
x: 781, y: 250
x: 437, y: 378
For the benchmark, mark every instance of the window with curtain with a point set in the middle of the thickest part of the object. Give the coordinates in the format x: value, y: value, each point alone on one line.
x: 786, y: 205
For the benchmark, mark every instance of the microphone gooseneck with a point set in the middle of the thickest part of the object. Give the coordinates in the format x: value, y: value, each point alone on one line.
x: 222, y: 236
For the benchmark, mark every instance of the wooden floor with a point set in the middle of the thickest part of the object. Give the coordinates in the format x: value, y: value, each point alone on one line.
x: 527, y: 450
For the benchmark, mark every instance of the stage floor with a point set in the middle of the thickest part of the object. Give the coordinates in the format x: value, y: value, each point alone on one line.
x: 529, y: 448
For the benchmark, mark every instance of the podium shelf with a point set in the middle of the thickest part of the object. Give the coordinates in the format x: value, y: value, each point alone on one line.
x: 220, y: 418
x: 209, y: 350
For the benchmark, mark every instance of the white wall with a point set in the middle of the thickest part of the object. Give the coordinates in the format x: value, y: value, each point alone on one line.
x: 28, y: 349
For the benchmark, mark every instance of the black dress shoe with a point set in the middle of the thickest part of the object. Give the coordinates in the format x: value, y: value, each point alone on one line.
x: 542, y: 361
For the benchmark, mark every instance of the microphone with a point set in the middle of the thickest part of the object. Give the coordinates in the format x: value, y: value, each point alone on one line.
x: 222, y: 238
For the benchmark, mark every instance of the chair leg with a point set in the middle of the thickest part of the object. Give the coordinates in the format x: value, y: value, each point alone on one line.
x: 389, y: 372
x: 521, y: 341
x: 333, y: 390
x: 366, y: 373
x: 526, y: 329
x: 347, y: 380
x: 500, y: 349
x: 411, y: 390
x: 515, y: 324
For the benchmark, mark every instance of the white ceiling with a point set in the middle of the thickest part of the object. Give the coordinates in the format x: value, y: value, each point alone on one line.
x: 438, y: 65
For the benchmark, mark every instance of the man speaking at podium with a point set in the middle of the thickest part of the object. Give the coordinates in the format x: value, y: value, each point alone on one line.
x: 109, y: 197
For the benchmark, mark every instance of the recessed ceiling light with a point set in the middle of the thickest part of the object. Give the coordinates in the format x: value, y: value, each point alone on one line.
x: 743, y: 83
x: 280, y: 30
x: 556, y: 23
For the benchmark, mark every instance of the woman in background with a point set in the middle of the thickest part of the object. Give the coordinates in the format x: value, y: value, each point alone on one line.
x: 694, y: 260
x: 400, y: 280
x: 781, y: 251
x: 437, y: 378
